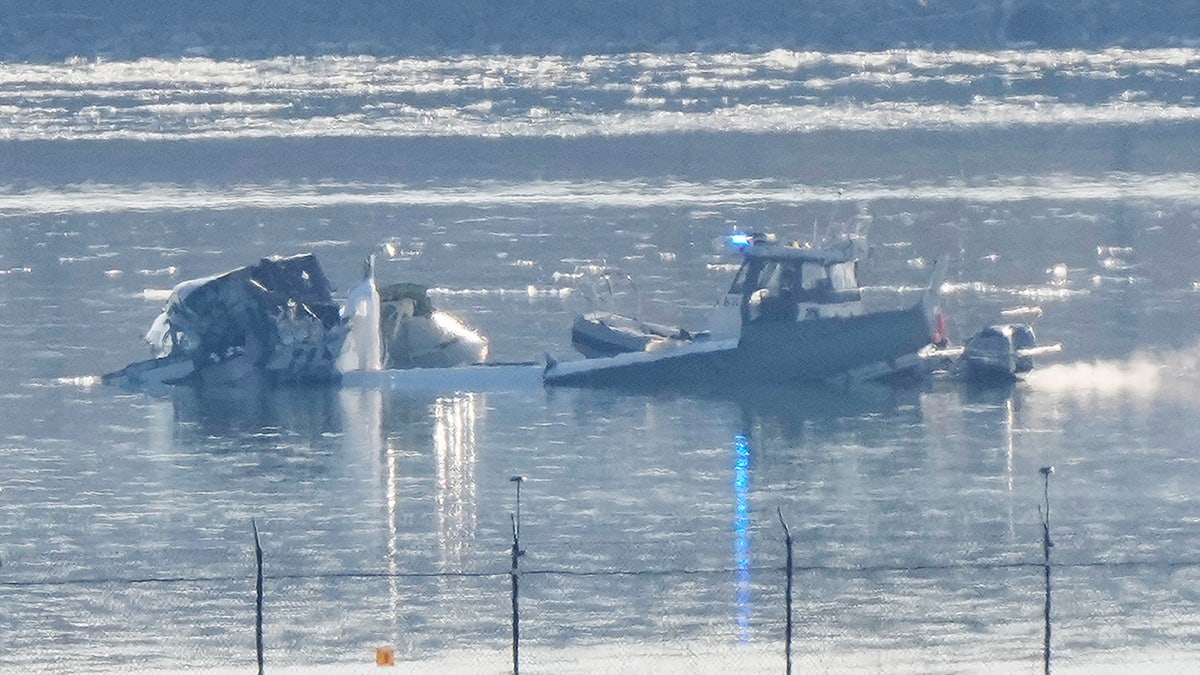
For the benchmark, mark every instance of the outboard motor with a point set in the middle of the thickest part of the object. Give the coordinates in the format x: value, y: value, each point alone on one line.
x: 1022, y: 339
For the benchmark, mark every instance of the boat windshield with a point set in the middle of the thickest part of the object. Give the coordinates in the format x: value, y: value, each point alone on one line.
x: 844, y: 276
x: 792, y: 281
x: 745, y: 277
x: 814, y: 276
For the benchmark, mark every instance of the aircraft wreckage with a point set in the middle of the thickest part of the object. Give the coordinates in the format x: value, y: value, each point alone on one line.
x: 276, y: 322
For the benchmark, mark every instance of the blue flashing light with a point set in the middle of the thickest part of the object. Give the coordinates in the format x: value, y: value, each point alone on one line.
x: 739, y: 239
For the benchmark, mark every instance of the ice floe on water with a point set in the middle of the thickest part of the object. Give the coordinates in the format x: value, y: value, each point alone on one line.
x: 94, y: 198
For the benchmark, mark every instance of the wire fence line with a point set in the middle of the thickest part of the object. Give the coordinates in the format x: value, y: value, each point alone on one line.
x: 851, y: 605
x: 550, y: 602
x: 841, y: 570
x: 559, y: 598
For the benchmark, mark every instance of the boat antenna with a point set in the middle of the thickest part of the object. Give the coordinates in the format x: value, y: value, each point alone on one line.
x: 832, y: 217
x: 637, y: 296
x: 862, y: 220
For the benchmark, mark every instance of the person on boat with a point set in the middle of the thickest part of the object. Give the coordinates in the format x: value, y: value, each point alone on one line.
x: 777, y: 298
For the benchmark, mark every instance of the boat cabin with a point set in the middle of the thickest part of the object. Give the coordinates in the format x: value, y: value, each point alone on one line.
x: 791, y: 283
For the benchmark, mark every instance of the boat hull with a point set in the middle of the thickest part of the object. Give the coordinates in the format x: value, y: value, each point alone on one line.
x: 988, y: 369
x: 772, y: 352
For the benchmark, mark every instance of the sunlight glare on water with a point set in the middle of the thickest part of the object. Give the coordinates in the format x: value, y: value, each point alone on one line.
x: 499, y: 95
x: 1061, y: 186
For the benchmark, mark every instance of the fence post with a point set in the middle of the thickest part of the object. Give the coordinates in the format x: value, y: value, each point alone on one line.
x: 787, y: 538
x: 516, y: 618
x: 258, y: 598
x: 1046, y: 471
x: 518, y: 480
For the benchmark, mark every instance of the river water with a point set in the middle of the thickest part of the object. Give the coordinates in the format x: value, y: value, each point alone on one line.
x: 1062, y: 181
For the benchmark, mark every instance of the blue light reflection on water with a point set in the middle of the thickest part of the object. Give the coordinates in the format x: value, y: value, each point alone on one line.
x: 741, y: 532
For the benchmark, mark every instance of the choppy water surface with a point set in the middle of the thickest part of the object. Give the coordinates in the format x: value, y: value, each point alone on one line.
x: 1058, y: 180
